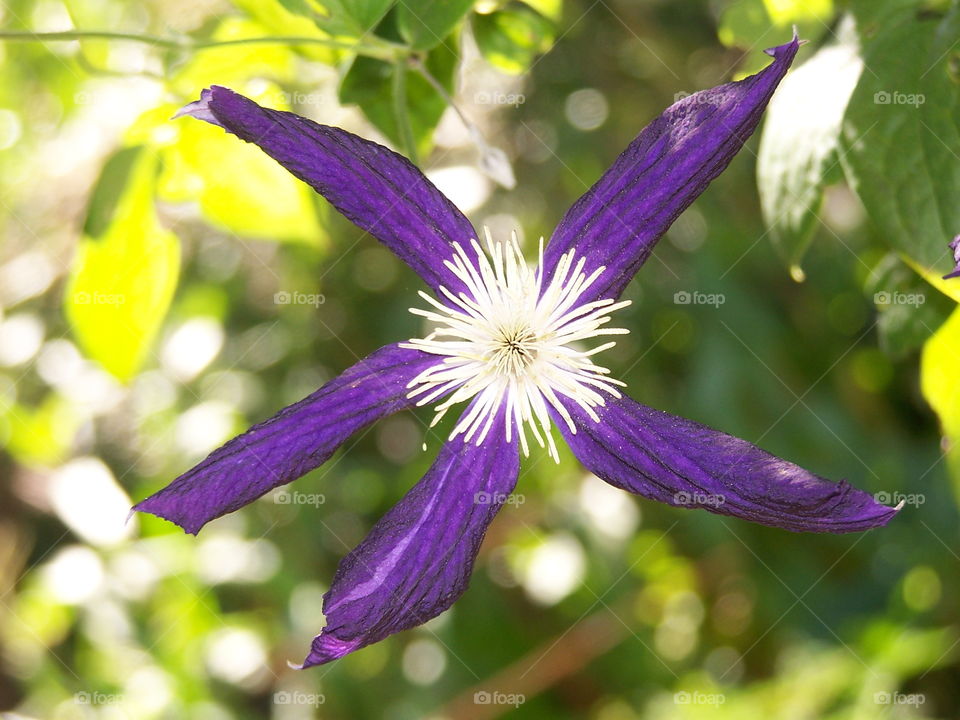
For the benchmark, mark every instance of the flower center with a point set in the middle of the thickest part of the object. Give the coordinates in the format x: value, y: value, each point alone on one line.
x: 511, y: 342
x: 515, y: 349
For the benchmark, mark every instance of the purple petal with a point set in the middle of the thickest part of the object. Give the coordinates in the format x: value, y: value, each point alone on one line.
x: 617, y: 222
x: 380, y: 191
x: 955, y: 246
x: 293, y: 442
x: 417, y: 560
x: 683, y: 463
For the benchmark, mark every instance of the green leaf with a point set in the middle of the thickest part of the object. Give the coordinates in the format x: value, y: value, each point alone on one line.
x: 122, y: 281
x: 352, y: 18
x: 426, y: 23
x: 798, y: 148
x: 901, y: 140
x: 369, y: 83
x: 510, y: 39
x: 108, y: 190
x: 909, y: 310
x: 940, y: 382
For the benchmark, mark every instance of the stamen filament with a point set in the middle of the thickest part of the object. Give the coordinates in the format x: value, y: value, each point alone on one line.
x: 508, y: 341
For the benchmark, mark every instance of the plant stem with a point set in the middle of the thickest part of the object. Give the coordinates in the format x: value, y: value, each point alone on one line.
x: 418, y: 65
x: 382, y: 49
x: 402, y: 111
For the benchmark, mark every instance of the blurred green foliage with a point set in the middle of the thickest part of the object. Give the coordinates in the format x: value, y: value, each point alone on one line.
x: 164, y: 285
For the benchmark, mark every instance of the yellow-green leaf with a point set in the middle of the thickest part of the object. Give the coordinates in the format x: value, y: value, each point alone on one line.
x: 122, y: 281
x: 759, y: 24
x: 940, y: 381
x: 238, y: 187
x: 950, y: 288
x: 787, y: 12
x: 232, y: 65
x: 552, y: 9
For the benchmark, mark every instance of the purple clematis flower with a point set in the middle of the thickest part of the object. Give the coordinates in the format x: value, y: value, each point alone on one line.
x: 508, y: 340
x: 955, y: 246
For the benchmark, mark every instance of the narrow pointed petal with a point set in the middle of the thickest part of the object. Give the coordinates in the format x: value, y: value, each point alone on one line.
x: 293, y: 442
x: 617, y: 222
x: 382, y: 192
x: 683, y: 463
x: 418, y: 558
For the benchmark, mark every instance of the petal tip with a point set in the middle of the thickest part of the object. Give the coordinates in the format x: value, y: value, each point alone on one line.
x: 146, y: 506
x: 787, y: 49
x: 326, y: 648
x: 200, y: 109
x: 955, y: 248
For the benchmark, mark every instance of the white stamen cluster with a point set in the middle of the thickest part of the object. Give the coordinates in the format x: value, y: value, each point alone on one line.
x: 510, y: 340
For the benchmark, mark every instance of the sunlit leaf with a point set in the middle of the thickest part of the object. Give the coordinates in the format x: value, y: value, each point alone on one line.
x: 426, y: 23
x: 788, y: 12
x: 799, y: 143
x: 759, y: 24
x: 940, y: 381
x: 552, y: 9
x: 511, y: 38
x: 283, y: 19
x: 122, y: 281
x: 239, y: 188
x: 950, y: 288
x: 234, y: 64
